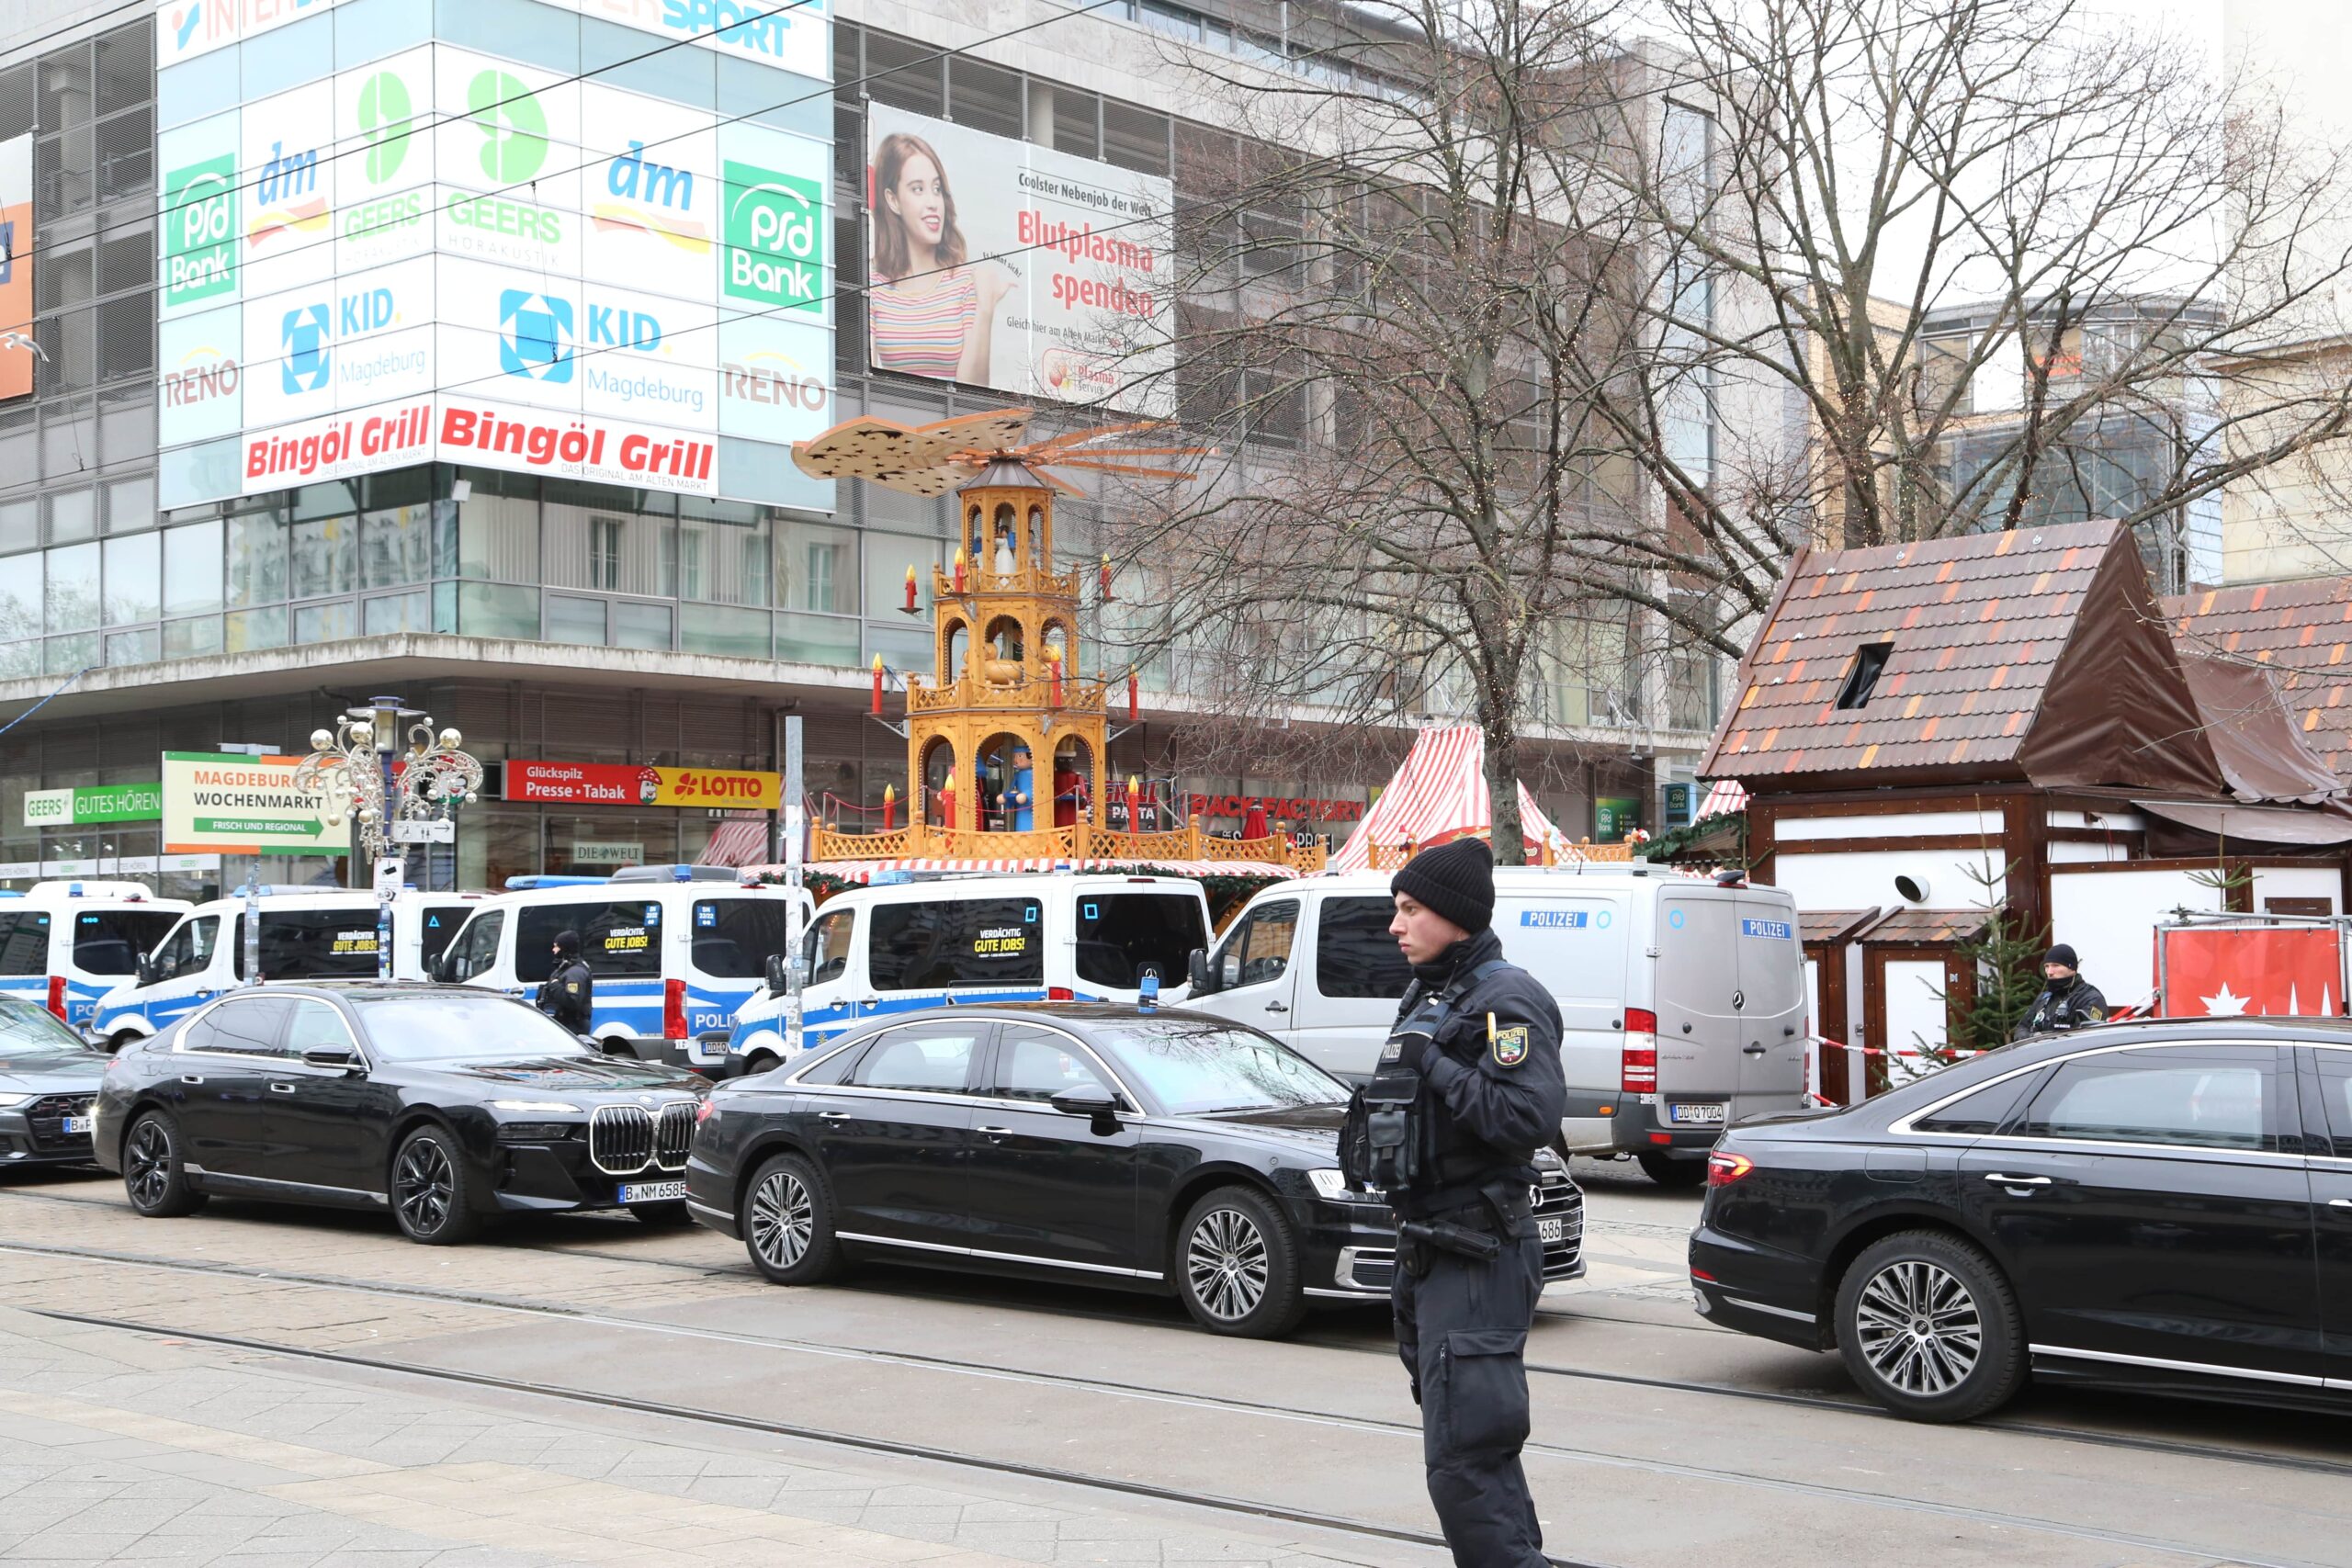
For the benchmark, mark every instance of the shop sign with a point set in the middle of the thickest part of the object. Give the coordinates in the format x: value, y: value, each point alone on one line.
x: 1298, y: 808
x: 1613, y: 817
x: 93, y: 803
x: 235, y: 805
x: 619, y: 784
x: 1678, y: 805
x: 608, y: 852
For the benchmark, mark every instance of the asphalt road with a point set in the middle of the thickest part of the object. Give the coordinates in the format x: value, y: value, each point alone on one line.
x: 1659, y: 1439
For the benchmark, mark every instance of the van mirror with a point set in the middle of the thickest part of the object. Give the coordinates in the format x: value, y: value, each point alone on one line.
x: 148, y: 973
x: 779, y: 975
x: 1196, y: 968
x: 1232, y: 976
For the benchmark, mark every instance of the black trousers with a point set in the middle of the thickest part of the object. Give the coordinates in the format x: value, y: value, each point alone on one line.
x: 1461, y: 1332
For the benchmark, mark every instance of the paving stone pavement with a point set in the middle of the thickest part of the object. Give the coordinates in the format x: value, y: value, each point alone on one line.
x: 118, y: 1446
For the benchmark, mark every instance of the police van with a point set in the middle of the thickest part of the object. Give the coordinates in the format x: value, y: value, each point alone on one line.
x: 675, y: 949
x: 1682, y: 1000
x: 1052, y: 936
x: 65, y: 944
x: 305, y: 933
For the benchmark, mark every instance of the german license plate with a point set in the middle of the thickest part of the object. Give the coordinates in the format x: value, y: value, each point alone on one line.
x: 653, y: 1191
x: 1555, y: 1228
x: 1694, y: 1115
x: 83, y: 1124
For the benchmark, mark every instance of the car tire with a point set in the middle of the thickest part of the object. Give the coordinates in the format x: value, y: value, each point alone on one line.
x: 1675, y: 1175
x: 433, y: 1190
x: 1236, y: 1266
x: 789, y: 1223
x: 154, y: 1176
x: 661, y: 1216
x: 1929, y: 1326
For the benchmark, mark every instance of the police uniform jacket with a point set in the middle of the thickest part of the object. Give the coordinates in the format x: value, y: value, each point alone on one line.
x: 2069, y: 1004
x: 565, y: 995
x: 1490, y: 1103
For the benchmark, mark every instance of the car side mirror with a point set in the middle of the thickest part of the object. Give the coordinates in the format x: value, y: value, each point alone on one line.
x: 147, y: 971
x: 341, y: 1057
x: 1196, y: 969
x: 1098, y: 1105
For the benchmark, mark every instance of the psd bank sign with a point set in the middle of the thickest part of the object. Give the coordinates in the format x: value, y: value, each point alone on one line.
x: 775, y: 233
x: 200, y: 232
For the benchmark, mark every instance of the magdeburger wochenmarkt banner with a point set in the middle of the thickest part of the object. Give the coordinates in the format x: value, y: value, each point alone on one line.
x: 1002, y: 264
x: 216, y: 802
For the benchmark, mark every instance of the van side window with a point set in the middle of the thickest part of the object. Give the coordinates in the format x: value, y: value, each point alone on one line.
x: 1122, y: 934
x: 1354, y: 954
x: 188, y: 951
x: 966, y: 941
x: 1262, y: 947
x: 476, y: 949
x: 828, y: 946
x: 112, y: 942
x: 616, y: 937
x: 733, y: 937
x: 24, y: 941
x: 314, y: 944
x: 441, y: 923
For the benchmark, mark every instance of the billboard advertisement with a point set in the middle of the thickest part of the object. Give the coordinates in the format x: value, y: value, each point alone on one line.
x: 17, y: 263
x: 617, y: 783
x: 237, y: 805
x: 1001, y: 264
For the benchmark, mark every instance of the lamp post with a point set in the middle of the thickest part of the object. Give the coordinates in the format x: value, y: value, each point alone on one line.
x: 351, y: 766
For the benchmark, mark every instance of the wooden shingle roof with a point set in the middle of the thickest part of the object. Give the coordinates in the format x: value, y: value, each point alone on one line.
x: 2027, y: 656
x: 2301, y: 632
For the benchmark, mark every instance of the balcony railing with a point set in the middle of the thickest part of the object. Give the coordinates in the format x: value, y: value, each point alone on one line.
x: 966, y: 691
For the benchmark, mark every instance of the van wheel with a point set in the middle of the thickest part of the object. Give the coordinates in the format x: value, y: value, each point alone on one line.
x: 127, y: 1037
x: 1237, y: 1267
x: 1929, y: 1329
x: 761, y: 1062
x: 1675, y: 1175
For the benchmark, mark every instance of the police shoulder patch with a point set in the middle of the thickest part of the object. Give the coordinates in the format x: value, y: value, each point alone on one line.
x: 1510, y: 1045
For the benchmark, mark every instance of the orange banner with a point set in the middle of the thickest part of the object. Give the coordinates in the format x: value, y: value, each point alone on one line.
x: 2269, y: 971
x: 15, y: 266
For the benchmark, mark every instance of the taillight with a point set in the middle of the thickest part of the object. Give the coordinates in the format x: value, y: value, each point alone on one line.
x: 703, y: 1110
x: 1637, y: 1071
x: 673, y: 1010
x: 1060, y: 994
x: 1724, y: 1167
x: 57, y: 996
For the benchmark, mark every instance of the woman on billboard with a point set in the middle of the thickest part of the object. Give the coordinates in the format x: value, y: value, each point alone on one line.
x: 932, y: 311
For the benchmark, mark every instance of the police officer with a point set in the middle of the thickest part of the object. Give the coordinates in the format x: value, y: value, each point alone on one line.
x: 568, y: 993
x: 1482, y: 1039
x: 2067, y: 1000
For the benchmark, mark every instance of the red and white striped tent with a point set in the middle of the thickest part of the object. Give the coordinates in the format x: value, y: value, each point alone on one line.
x: 1441, y: 794
x: 1723, y: 799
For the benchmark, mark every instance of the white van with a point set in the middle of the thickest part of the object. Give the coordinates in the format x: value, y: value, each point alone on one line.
x: 675, y: 949
x: 1052, y: 936
x: 65, y: 944
x: 1682, y: 1002
x: 306, y: 933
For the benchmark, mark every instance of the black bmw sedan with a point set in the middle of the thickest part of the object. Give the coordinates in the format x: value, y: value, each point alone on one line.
x: 2165, y: 1207
x: 1140, y: 1149
x: 446, y: 1106
x: 48, y: 1077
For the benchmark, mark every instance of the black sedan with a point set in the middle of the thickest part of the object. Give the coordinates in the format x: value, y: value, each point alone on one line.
x: 446, y: 1106
x: 2160, y: 1207
x: 48, y: 1077
x: 1140, y: 1149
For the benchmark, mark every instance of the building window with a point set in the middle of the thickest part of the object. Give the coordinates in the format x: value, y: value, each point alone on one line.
x: 605, y: 553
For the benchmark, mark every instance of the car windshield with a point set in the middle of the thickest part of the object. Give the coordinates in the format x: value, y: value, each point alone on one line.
x: 1194, y: 1067
x: 459, y: 1028
x: 30, y: 1037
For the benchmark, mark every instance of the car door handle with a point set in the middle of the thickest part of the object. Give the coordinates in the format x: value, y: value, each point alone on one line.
x: 2340, y: 1203
x: 835, y: 1115
x: 1276, y: 1006
x: 2004, y: 1180
x: 281, y: 1089
x: 1753, y: 1048
x: 192, y: 1077
x: 994, y: 1131
x: 202, y: 995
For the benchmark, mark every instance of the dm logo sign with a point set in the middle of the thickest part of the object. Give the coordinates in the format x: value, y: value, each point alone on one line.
x: 775, y: 232
x: 305, y: 339
x: 201, y: 230
x: 535, y: 335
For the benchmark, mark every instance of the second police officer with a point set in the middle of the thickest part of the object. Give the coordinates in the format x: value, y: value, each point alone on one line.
x: 1469, y: 1087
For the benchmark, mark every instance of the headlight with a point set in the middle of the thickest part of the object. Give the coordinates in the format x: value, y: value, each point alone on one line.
x: 556, y: 1106
x: 1333, y: 1185
x: 535, y: 1132
x: 10, y: 1101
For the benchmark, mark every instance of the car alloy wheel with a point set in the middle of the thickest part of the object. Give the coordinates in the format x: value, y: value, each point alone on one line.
x: 783, y: 1218
x: 1920, y: 1327
x: 1225, y: 1261
x: 425, y: 1186
x: 147, y: 1163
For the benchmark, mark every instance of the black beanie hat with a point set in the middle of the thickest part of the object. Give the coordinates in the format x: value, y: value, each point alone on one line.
x: 2061, y: 953
x: 1455, y: 879
x: 566, y: 941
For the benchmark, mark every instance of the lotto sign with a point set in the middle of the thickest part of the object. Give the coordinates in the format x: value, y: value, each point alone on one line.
x: 201, y: 230
x: 16, y: 262
x: 614, y: 784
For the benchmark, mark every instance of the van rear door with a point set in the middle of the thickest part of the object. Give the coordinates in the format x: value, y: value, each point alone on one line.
x: 1772, y: 1006
x: 1698, y: 1008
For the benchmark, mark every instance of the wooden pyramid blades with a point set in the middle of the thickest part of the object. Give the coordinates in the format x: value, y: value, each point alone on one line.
x: 933, y: 459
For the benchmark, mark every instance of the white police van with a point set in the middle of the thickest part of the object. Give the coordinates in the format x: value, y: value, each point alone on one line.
x: 1682, y: 1000
x: 675, y: 949
x: 306, y: 933
x: 65, y: 944
x: 899, y: 947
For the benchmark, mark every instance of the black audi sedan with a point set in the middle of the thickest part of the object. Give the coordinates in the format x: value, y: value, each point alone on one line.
x: 1147, y: 1149
x: 48, y: 1077
x: 447, y: 1106
x: 2163, y: 1207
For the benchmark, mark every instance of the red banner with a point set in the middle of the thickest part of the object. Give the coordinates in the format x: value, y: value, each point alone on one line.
x: 1303, y: 808
x: 2251, y: 971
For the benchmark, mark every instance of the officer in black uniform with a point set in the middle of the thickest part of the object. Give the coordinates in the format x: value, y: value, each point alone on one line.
x: 568, y: 993
x: 1474, y: 1066
x: 2067, y: 1000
